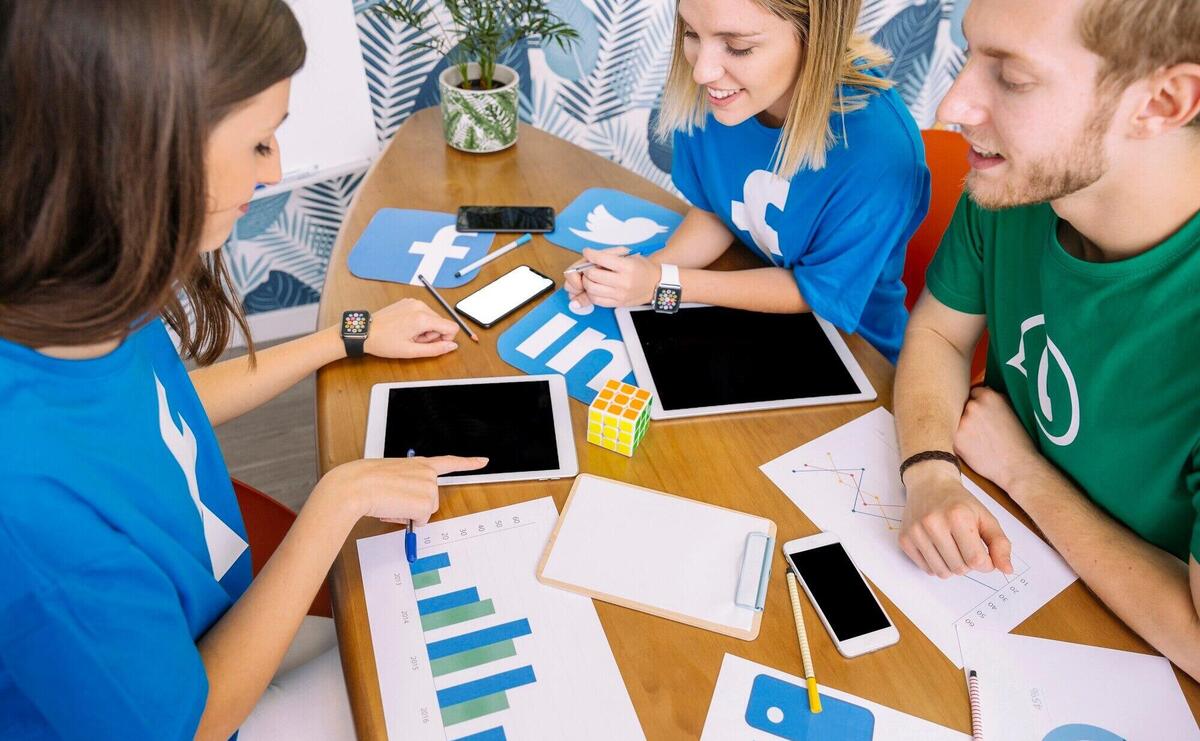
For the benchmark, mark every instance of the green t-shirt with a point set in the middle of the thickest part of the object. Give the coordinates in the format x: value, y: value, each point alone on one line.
x: 1099, y: 359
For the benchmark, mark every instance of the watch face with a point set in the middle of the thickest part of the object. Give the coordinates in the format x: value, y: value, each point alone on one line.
x: 666, y: 299
x: 354, y: 323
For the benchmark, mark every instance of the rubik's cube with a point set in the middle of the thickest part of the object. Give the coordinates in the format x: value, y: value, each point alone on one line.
x: 618, y: 417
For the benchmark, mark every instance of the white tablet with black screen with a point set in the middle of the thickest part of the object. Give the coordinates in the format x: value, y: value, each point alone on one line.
x: 522, y: 424
x: 714, y: 360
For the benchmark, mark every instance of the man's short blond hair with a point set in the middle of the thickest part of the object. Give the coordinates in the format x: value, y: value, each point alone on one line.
x: 1137, y: 37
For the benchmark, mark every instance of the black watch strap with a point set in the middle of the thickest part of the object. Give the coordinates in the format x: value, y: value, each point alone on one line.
x: 354, y: 346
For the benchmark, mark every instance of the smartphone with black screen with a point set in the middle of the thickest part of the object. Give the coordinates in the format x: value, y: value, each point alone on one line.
x: 843, y: 600
x: 520, y: 219
x: 504, y: 295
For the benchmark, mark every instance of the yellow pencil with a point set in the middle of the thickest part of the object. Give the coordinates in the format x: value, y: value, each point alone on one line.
x: 814, y: 698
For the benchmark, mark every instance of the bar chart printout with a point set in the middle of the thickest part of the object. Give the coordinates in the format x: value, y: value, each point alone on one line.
x: 469, y: 646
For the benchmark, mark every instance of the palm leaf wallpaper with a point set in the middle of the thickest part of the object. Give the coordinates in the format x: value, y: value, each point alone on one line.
x: 602, y: 94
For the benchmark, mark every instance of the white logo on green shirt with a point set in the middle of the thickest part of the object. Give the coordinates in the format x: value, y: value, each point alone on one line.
x: 1045, y: 405
x: 761, y: 189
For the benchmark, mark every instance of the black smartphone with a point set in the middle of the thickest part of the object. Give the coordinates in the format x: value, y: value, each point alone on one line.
x: 533, y: 219
x: 504, y: 295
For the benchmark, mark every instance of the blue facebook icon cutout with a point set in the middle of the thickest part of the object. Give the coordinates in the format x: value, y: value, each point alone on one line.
x: 601, y: 218
x: 399, y: 244
x: 583, y: 345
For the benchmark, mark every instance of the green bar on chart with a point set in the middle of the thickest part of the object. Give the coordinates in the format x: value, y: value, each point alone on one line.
x: 473, y: 709
x: 428, y: 579
x: 474, y: 657
x: 457, y: 615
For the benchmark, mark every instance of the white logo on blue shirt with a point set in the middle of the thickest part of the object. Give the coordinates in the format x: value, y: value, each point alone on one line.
x: 761, y: 189
x: 224, y: 545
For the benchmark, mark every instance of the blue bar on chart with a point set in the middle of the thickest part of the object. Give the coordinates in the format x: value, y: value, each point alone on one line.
x: 492, y: 685
x: 429, y: 563
x: 491, y: 734
x: 479, y: 638
x: 447, y: 601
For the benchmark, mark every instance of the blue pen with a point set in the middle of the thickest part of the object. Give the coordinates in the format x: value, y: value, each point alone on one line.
x: 410, y: 537
x: 523, y: 239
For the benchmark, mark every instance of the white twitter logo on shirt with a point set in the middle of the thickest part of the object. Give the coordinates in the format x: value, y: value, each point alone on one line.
x: 604, y: 228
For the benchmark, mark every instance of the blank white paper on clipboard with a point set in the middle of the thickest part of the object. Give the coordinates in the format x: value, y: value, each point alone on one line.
x: 654, y: 552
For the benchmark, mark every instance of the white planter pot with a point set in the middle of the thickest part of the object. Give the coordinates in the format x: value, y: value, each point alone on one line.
x: 479, y: 120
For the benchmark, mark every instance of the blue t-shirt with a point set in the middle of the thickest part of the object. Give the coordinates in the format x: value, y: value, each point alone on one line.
x: 841, y: 230
x: 121, y: 543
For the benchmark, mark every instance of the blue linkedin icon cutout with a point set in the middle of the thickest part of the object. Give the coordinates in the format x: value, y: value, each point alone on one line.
x: 583, y: 345
x: 399, y: 244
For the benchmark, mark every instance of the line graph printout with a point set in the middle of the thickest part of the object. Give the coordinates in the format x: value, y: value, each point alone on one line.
x: 848, y: 482
x: 470, y: 646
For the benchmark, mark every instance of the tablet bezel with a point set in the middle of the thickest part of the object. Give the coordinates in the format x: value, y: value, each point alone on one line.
x: 564, y: 434
x: 645, y: 379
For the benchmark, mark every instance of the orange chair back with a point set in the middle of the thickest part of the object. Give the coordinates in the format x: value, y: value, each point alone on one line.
x: 267, y: 521
x: 946, y: 156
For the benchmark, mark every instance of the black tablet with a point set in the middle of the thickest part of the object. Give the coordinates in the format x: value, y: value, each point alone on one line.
x: 522, y: 424
x: 712, y: 360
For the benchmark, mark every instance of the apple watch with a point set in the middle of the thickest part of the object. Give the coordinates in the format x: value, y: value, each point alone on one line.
x: 668, y: 293
x: 355, y: 325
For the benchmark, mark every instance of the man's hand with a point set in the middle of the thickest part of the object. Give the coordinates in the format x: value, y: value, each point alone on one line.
x: 946, y: 530
x: 992, y: 441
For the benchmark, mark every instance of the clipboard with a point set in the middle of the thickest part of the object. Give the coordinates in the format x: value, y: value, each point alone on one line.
x: 662, y: 554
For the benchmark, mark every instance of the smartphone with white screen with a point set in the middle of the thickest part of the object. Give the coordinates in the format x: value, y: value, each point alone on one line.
x: 504, y: 295
x: 841, y: 596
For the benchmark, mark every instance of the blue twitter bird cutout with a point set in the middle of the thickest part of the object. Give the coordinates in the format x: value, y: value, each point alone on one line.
x: 583, y: 345
x: 400, y: 244
x: 601, y: 218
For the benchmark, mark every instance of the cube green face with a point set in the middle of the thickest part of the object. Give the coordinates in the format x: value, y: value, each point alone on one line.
x: 618, y: 417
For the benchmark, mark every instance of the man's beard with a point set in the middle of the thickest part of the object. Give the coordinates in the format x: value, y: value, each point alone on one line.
x: 1082, y: 163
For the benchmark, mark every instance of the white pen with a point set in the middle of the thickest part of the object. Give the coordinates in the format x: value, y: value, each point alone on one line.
x: 493, y: 255
x: 579, y: 268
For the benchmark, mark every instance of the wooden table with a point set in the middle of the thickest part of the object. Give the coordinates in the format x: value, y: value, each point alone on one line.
x: 668, y: 668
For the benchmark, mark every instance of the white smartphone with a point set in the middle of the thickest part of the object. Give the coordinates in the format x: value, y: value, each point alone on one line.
x: 504, y: 295
x: 845, y: 603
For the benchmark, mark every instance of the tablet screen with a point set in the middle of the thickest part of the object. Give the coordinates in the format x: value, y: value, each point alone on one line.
x: 510, y: 423
x: 708, y: 355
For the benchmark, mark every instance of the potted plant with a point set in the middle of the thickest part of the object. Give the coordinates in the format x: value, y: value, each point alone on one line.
x: 479, y: 95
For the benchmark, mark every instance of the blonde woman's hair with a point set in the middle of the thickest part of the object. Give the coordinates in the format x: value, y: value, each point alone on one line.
x: 832, y: 56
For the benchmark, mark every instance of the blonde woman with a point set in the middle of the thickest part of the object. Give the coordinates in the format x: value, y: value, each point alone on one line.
x: 788, y: 139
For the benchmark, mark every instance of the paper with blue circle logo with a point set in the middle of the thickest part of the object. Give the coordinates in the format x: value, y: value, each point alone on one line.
x: 583, y: 345
x: 601, y: 218
x: 399, y: 244
x: 781, y: 708
x: 753, y: 702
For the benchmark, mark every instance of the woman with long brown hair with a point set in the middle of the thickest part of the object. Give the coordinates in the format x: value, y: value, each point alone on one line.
x: 132, y: 135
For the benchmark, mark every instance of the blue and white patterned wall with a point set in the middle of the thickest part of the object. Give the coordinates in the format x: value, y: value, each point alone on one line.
x: 602, y: 96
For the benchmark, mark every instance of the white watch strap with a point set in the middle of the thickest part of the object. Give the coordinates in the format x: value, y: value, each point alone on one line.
x: 670, y: 275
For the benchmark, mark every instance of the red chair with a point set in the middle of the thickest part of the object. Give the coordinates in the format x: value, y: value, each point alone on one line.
x: 267, y: 521
x: 946, y: 156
